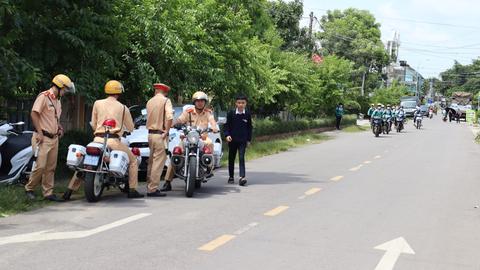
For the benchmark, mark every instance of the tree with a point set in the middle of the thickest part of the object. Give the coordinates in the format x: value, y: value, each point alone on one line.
x: 390, y: 95
x: 355, y: 35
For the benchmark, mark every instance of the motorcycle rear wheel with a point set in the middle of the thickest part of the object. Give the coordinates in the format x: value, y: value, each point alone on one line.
x: 93, y: 186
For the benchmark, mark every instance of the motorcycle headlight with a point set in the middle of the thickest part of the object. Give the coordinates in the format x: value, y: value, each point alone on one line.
x: 193, y: 137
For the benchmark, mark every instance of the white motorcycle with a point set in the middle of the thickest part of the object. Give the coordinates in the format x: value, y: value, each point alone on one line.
x: 139, y: 139
x: 16, y: 153
x: 100, y: 166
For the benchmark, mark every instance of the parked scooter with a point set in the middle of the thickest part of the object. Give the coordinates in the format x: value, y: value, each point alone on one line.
x: 16, y: 153
x: 100, y: 166
x: 194, y: 163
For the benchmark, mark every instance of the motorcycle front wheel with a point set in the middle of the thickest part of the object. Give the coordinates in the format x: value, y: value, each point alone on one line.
x: 192, y: 173
x: 93, y: 186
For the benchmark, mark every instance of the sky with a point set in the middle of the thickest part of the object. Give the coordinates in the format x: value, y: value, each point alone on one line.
x: 433, y: 33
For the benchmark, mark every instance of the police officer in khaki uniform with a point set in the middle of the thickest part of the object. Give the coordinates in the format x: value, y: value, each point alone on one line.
x: 159, y: 121
x: 45, y: 115
x: 111, y: 108
x: 200, y: 117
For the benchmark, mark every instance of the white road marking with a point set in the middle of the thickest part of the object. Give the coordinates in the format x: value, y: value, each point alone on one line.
x: 312, y: 191
x: 354, y: 169
x: 47, y: 235
x: 367, y: 162
x: 302, y: 197
x: 393, y: 250
x: 337, y: 178
x: 246, y: 228
x: 377, y: 157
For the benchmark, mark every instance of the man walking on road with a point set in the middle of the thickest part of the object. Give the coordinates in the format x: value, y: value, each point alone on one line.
x: 159, y: 121
x: 45, y: 115
x: 338, y: 115
x: 238, y: 133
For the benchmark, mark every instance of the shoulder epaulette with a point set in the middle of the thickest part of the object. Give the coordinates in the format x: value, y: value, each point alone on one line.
x: 190, y: 110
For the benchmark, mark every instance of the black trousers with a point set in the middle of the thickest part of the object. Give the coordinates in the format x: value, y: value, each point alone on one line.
x: 339, y: 119
x: 233, y: 147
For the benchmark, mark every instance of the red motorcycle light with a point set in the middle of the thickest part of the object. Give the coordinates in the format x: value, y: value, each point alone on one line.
x: 207, y: 150
x: 94, y: 151
x: 136, y: 151
x: 111, y: 123
x: 177, y: 150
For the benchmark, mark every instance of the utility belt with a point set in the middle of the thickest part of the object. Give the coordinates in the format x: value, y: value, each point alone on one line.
x: 154, y: 131
x: 110, y: 136
x: 49, y: 135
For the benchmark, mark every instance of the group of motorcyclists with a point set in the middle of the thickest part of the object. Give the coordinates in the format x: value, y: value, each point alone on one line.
x: 382, y: 118
x: 46, y: 113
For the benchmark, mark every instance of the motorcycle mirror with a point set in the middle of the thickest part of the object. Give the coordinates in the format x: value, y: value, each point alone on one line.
x: 144, y: 112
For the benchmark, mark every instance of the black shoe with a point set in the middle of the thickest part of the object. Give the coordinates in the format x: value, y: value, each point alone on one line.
x: 30, y: 195
x: 156, y: 193
x: 231, y: 181
x: 133, y: 194
x: 66, y: 196
x: 53, y: 198
x: 167, y: 186
x: 242, y: 181
x: 209, y: 175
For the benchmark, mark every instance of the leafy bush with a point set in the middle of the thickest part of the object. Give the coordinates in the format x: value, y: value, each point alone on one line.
x: 266, y: 127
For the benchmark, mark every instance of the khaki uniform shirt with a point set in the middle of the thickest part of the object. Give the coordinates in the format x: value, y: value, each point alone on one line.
x: 111, y: 108
x: 46, y: 108
x: 159, y: 111
x: 200, y: 120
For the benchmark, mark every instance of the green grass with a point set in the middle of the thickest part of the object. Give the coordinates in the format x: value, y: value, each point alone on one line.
x: 355, y: 128
x: 266, y: 148
x: 13, y: 199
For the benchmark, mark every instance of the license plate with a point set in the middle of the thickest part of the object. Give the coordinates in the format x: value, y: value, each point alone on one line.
x: 91, y: 160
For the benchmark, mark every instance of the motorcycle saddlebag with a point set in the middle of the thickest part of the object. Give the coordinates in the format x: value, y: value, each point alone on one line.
x: 118, y: 163
x: 75, y: 155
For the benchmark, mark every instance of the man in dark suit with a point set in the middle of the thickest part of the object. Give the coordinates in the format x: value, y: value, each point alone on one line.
x: 238, y: 133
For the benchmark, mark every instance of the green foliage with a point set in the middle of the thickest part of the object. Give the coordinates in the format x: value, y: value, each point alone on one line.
x: 221, y: 47
x: 355, y: 35
x: 390, y: 95
x: 460, y: 78
x: 274, y: 127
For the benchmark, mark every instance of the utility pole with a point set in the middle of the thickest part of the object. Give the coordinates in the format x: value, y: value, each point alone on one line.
x: 310, y: 30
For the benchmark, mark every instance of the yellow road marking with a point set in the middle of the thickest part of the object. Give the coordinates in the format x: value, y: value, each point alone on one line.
x: 356, y: 168
x: 276, y: 211
x: 220, y: 241
x: 367, y: 162
x: 337, y: 178
x: 377, y: 157
x: 312, y: 191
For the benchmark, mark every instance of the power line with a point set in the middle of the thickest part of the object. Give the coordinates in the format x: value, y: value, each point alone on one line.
x: 418, y: 21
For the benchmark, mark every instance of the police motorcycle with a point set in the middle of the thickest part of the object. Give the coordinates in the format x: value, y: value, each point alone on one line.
x: 16, y: 153
x: 139, y: 138
x: 193, y: 162
x: 100, y: 166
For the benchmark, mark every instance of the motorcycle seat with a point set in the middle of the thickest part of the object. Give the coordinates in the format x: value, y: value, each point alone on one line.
x: 11, y: 147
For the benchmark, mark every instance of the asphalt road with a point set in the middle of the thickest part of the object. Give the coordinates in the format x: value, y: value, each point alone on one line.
x: 324, y: 206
